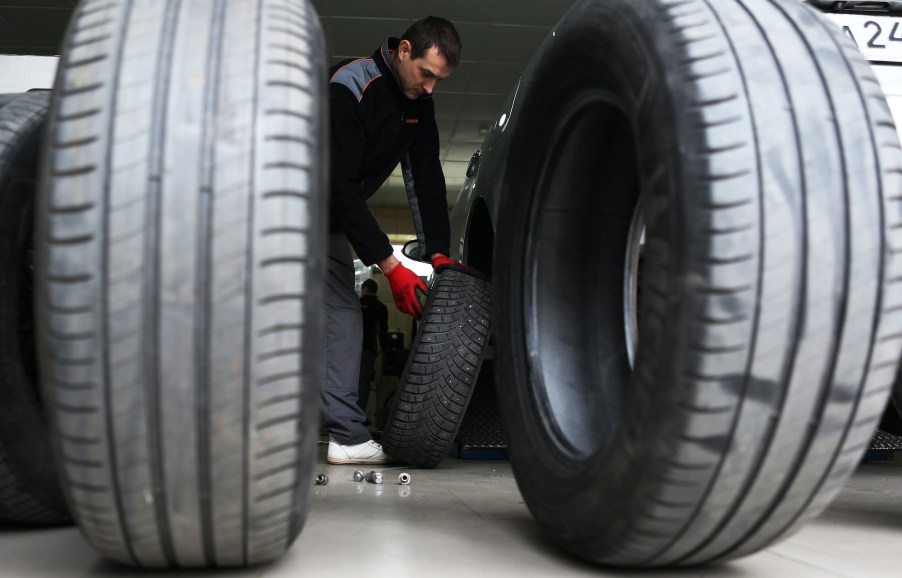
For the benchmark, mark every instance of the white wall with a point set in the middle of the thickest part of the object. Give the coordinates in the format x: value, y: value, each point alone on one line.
x: 22, y: 73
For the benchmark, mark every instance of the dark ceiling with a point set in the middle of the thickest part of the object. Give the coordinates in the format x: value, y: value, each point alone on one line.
x: 499, y: 38
x: 33, y: 26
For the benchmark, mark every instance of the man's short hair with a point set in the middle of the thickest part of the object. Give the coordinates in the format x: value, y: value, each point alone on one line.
x: 371, y: 286
x: 434, y: 31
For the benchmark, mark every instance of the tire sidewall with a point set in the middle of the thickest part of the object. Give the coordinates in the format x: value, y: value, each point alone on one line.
x: 606, y: 44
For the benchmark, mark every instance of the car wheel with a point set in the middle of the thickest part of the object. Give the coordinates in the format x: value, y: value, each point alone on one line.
x: 181, y: 254
x: 29, y: 488
x: 768, y: 169
x: 441, y: 371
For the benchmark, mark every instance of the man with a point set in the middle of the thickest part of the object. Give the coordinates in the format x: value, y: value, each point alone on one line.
x: 382, y: 114
x: 375, y: 329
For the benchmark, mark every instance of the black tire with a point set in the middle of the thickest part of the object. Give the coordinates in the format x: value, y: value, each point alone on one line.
x: 892, y: 417
x: 771, y: 305
x: 180, y: 276
x: 891, y: 421
x: 29, y: 488
x: 440, y: 375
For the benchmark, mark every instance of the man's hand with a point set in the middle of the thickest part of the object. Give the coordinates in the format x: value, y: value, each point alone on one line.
x: 404, y: 284
x: 439, y: 260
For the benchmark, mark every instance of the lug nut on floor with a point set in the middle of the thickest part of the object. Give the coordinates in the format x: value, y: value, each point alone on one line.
x: 321, y: 479
x: 404, y: 479
x: 374, y: 477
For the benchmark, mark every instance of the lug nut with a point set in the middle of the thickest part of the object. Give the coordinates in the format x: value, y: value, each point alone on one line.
x: 321, y: 479
x: 404, y: 479
x: 359, y: 476
x: 374, y: 477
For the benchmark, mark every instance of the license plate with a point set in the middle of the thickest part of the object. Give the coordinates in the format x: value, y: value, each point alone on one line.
x: 878, y: 37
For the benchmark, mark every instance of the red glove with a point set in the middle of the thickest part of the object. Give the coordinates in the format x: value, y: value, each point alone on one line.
x: 404, y: 284
x: 438, y: 260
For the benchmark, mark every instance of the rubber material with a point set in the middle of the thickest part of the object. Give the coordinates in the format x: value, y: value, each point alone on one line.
x: 29, y: 488
x: 769, y: 339
x: 441, y: 371
x: 891, y: 421
x: 181, y: 215
x: 466, y: 270
x: 892, y: 418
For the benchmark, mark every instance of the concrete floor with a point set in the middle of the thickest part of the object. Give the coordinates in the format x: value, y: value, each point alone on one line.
x: 466, y: 518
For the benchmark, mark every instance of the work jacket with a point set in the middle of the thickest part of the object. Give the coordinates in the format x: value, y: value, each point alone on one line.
x: 375, y: 127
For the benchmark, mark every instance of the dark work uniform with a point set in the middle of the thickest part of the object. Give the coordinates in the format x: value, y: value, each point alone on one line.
x: 375, y: 329
x: 374, y: 127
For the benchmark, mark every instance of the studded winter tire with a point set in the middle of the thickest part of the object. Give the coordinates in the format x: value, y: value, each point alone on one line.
x: 441, y: 371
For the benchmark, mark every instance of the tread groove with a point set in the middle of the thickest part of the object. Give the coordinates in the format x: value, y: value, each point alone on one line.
x: 440, y: 377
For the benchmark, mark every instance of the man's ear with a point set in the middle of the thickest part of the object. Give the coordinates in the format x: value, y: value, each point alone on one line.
x: 404, y: 47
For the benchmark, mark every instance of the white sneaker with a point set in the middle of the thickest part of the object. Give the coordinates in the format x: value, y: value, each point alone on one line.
x: 369, y: 452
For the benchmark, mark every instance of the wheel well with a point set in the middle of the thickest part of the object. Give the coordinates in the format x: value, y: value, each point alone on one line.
x: 480, y: 241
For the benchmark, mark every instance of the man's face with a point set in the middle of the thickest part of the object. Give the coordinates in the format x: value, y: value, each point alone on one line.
x: 419, y: 76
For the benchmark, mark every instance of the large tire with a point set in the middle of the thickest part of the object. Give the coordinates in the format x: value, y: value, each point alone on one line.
x: 181, y: 235
x: 29, y: 488
x: 441, y: 372
x: 769, y: 171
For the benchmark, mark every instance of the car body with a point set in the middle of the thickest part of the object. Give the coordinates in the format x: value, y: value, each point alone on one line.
x: 875, y: 27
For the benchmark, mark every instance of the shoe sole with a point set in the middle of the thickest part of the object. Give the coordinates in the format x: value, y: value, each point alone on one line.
x: 350, y: 461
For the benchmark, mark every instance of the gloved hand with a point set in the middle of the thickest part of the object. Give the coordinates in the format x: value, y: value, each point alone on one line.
x: 404, y: 284
x: 438, y: 260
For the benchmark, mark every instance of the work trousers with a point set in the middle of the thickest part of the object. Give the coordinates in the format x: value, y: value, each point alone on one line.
x: 342, y: 417
x: 367, y: 369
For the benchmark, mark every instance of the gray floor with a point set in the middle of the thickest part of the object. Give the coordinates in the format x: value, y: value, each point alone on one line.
x: 467, y: 519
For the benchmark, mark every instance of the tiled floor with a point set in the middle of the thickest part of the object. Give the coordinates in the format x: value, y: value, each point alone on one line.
x: 466, y: 519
